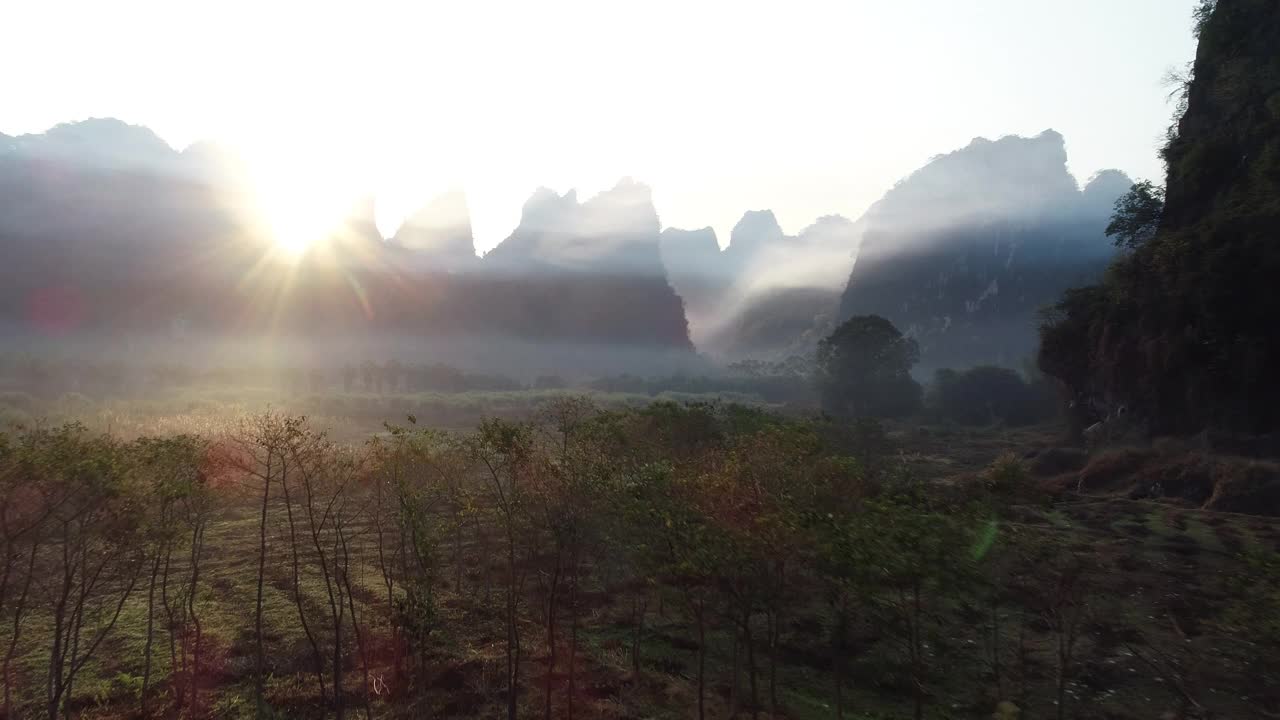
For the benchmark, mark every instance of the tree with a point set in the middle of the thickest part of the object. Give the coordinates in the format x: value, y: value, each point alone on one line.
x: 565, y: 498
x: 417, y: 471
x: 27, y: 500
x: 917, y: 545
x: 91, y: 560
x: 1063, y: 590
x: 176, y: 502
x: 833, y: 507
x: 864, y: 368
x: 259, y: 451
x: 325, y: 474
x: 504, y: 451
x: 1137, y: 215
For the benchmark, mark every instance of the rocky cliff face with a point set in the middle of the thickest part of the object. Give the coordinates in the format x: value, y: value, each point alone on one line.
x: 962, y: 253
x: 767, y: 295
x: 586, y: 270
x: 1184, y: 329
x: 438, y: 235
x: 615, y: 232
x: 756, y: 233
x: 696, y: 271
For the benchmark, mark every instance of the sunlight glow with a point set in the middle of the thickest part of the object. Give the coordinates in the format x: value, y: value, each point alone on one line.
x: 745, y: 107
x: 301, y: 208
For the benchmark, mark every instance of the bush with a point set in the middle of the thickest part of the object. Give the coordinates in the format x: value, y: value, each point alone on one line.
x: 1059, y: 460
x: 1114, y: 470
x: 1006, y: 475
x: 1244, y: 486
x: 987, y: 395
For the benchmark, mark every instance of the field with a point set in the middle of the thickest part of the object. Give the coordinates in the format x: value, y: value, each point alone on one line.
x: 209, y: 410
x: 1161, y: 605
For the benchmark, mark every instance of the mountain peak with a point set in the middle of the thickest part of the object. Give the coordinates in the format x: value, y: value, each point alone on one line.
x: 615, y: 231
x: 756, y: 229
x: 439, y: 232
x: 962, y: 252
x: 1107, y: 185
x: 828, y: 223
x: 103, y: 143
x: 692, y: 252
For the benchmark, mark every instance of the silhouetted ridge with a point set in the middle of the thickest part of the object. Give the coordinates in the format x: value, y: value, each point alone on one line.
x: 757, y: 231
x: 105, y: 143
x: 615, y: 232
x: 589, y: 269
x: 764, y: 295
x: 963, y: 252
x: 695, y: 269
x: 105, y: 219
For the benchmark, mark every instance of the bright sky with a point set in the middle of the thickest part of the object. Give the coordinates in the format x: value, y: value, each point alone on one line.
x: 807, y: 108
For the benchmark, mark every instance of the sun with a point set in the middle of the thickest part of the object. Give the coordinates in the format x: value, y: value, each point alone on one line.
x: 296, y: 220
x: 299, y: 206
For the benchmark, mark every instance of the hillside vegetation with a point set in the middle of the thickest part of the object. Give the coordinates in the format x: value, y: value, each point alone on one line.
x: 1183, y: 328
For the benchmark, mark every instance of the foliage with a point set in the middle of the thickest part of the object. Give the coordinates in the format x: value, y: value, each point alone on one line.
x: 1256, y: 593
x: 1006, y: 475
x: 1201, y: 15
x: 1182, y: 330
x: 1137, y: 215
x: 864, y: 369
x: 739, y: 558
x: 988, y: 394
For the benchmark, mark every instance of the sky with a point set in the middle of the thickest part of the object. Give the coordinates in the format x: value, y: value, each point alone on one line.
x: 806, y: 108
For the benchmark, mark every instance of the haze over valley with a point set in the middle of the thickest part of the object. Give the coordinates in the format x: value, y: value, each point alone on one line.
x: 113, y: 234
x: 575, y: 360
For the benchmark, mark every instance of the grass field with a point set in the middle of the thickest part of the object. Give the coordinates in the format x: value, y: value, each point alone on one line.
x: 348, y: 415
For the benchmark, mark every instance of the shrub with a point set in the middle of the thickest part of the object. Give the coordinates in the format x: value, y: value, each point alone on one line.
x: 1114, y: 469
x: 1247, y: 487
x: 986, y: 395
x: 1059, y: 460
x: 1006, y: 475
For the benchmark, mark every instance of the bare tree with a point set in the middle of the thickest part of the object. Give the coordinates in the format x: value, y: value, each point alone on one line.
x: 27, y: 500
x: 259, y: 450
x: 505, y: 453
x: 90, y: 564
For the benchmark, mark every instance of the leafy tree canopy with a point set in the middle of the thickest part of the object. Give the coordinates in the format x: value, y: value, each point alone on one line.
x: 864, y: 369
x: 1137, y: 215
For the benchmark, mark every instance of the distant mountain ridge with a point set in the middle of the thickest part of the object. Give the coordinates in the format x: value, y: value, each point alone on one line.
x: 959, y: 254
x: 439, y: 234
x: 767, y: 294
x: 614, y: 232
x: 963, y: 253
x: 133, y: 236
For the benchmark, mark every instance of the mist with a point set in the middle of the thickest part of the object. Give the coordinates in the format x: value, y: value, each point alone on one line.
x: 121, y: 246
